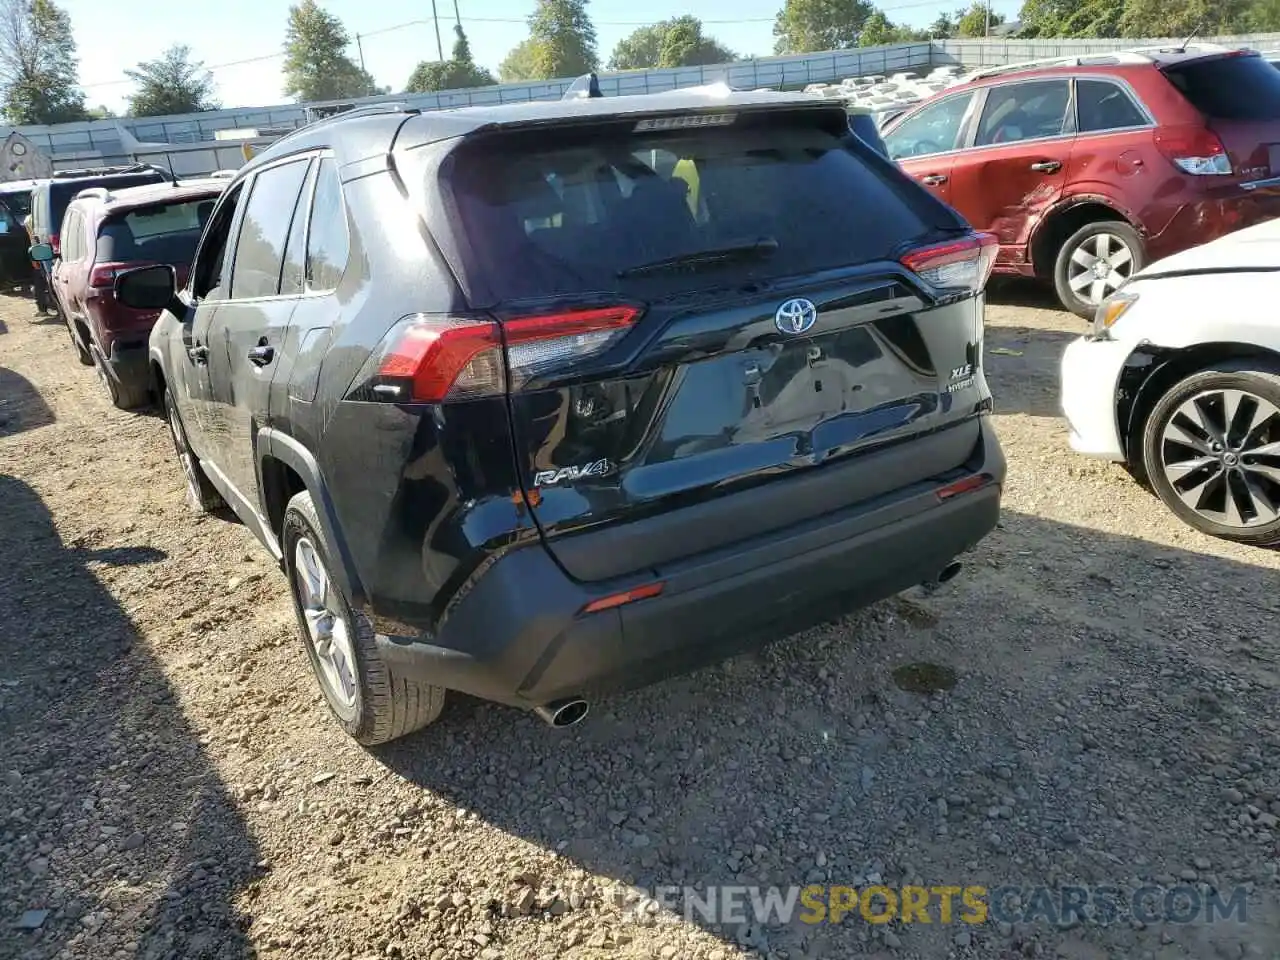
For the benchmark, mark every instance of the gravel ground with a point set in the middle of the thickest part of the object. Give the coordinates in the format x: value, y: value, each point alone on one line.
x: 171, y: 787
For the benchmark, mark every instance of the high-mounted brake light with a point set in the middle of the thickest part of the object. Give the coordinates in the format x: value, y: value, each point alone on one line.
x: 1194, y: 150
x: 961, y: 266
x: 432, y: 359
x: 685, y: 122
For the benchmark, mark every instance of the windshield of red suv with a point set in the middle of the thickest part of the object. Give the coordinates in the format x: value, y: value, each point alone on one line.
x: 162, y: 232
x: 575, y: 211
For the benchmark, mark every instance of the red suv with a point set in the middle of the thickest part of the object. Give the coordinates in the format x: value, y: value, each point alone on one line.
x: 103, y: 233
x: 1087, y: 168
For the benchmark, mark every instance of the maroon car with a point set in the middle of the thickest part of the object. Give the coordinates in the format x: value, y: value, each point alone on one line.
x: 1087, y: 168
x: 107, y: 231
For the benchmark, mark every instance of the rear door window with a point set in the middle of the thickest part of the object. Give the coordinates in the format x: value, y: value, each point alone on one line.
x: 1024, y: 111
x: 579, y: 215
x: 1229, y: 88
x: 1102, y: 105
x: 264, y: 230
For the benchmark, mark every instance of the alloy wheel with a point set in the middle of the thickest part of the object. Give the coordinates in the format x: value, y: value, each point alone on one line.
x: 1220, y: 452
x: 1099, y: 266
x: 326, y: 628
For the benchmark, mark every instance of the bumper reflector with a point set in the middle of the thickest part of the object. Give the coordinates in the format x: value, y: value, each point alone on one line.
x: 626, y: 596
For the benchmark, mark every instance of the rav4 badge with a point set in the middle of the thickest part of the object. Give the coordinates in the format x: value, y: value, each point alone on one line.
x: 549, y: 478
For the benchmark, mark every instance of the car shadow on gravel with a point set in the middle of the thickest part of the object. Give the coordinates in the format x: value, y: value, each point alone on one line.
x: 1111, y: 693
x: 21, y: 406
x: 117, y: 838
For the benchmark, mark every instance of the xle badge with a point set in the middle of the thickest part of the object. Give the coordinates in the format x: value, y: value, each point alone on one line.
x: 961, y: 377
x: 549, y: 478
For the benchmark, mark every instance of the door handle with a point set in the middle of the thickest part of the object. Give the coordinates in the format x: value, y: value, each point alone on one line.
x: 199, y: 353
x: 933, y: 180
x: 1046, y: 166
x: 261, y: 355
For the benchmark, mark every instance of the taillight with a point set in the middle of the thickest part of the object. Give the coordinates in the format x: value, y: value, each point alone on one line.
x: 959, y: 266
x: 53, y: 242
x: 1194, y: 150
x: 432, y: 359
x: 104, y: 274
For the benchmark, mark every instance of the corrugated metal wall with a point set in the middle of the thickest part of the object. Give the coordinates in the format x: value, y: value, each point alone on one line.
x: 98, y: 141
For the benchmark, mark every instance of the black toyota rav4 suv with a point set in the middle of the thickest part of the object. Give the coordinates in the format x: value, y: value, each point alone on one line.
x: 541, y: 400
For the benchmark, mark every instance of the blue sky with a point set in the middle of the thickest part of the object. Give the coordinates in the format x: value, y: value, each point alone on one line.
x: 113, y: 37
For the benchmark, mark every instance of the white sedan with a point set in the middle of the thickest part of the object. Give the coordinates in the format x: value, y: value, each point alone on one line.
x: 1179, y: 379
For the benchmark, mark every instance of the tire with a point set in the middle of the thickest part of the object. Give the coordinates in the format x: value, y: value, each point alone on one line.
x: 1115, y: 236
x: 202, y: 496
x: 1193, y: 409
x: 370, y: 703
x: 124, y: 395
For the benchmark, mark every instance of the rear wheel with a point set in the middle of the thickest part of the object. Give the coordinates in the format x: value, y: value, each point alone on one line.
x: 371, y: 703
x: 1093, y: 263
x: 202, y: 495
x: 1211, y: 450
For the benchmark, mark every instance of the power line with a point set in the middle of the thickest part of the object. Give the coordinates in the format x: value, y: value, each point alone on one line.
x: 394, y: 28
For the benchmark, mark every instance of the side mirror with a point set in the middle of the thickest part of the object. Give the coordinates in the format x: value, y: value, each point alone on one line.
x: 147, y: 288
x: 40, y: 252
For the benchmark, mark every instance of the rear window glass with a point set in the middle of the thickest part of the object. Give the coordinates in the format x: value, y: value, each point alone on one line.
x: 552, y: 218
x: 18, y: 202
x: 163, y: 232
x: 1230, y: 88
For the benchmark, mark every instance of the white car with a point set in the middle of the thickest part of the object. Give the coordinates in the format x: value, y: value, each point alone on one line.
x: 1179, y: 379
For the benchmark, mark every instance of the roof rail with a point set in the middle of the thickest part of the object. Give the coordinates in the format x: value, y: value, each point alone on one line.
x: 224, y: 174
x: 104, y: 171
x: 1117, y: 56
x: 368, y: 109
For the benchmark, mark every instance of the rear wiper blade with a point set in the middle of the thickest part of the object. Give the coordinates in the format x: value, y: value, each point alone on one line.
x: 762, y: 247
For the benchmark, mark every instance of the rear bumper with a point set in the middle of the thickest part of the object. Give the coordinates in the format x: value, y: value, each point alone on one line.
x: 1215, y: 214
x: 518, y: 635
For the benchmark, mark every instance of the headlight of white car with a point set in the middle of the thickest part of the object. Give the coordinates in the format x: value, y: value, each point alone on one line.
x: 1109, y: 311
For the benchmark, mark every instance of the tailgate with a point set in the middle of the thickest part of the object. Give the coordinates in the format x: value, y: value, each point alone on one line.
x: 1239, y: 96
x: 688, y: 312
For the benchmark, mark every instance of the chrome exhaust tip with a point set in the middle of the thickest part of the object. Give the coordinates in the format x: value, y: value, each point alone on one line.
x: 563, y: 713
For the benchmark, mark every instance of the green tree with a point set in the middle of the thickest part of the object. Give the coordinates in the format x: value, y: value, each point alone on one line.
x: 1181, y: 18
x: 519, y: 63
x: 456, y: 73
x: 1070, y: 18
x: 808, y: 26
x: 1264, y: 16
x: 879, y: 30
x: 973, y: 22
x: 564, y: 39
x: 38, y: 65
x: 678, y: 42
x: 316, y: 65
x: 171, y: 84
x: 944, y: 26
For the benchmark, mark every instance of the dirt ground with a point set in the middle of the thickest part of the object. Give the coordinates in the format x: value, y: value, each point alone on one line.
x: 171, y: 786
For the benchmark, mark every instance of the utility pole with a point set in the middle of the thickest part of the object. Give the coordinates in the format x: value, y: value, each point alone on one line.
x: 987, y: 32
x: 360, y: 50
x: 457, y: 17
x: 435, y: 18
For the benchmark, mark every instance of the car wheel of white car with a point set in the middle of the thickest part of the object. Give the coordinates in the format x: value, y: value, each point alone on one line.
x: 1211, y: 450
x: 1094, y: 262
